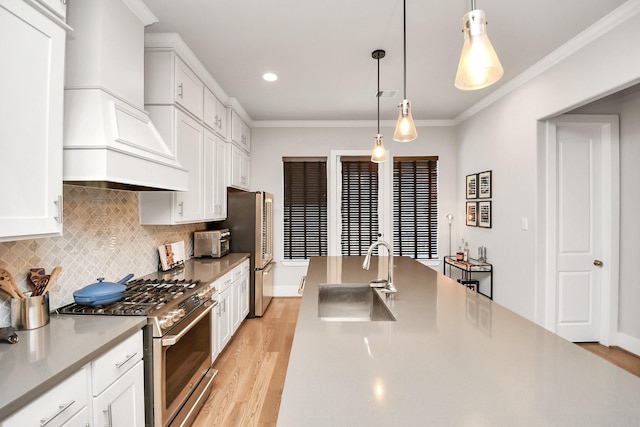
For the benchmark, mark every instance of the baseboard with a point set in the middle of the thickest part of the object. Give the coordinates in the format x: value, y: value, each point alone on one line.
x: 285, y: 291
x: 629, y: 343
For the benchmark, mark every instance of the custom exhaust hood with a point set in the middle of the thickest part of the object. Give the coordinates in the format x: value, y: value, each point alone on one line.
x: 109, y: 140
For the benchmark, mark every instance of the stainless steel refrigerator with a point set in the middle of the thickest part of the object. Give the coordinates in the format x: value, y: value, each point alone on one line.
x: 250, y: 221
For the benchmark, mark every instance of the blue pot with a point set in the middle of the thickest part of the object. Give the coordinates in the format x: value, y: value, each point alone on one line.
x: 101, y: 293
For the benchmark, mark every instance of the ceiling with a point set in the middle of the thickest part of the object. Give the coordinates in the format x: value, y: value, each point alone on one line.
x: 321, y: 50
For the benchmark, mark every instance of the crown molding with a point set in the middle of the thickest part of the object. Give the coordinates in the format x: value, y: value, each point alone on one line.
x: 343, y: 123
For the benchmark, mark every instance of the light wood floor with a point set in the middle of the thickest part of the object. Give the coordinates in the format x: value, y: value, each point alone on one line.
x: 616, y: 355
x: 252, y: 369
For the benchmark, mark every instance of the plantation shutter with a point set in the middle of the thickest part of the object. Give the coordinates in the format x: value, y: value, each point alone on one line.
x: 359, y: 205
x: 415, y: 207
x: 305, y: 208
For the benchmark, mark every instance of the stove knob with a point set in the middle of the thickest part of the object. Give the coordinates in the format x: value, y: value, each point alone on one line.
x: 202, y: 295
x: 166, y: 321
x: 175, y: 315
x: 181, y: 312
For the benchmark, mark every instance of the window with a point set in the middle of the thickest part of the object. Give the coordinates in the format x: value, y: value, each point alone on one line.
x: 359, y: 205
x: 305, y: 207
x: 415, y: 207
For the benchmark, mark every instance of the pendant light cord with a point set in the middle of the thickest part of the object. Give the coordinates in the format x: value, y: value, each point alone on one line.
x: 404, y: 23
x: 378, y: 95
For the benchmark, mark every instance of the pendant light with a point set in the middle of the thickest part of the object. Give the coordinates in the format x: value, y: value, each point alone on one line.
x: 379, y: 154
x: 405, y: 128
x: 479, y: 65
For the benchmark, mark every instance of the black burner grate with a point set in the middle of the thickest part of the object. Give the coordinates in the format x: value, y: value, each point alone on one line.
x: 141, y: 298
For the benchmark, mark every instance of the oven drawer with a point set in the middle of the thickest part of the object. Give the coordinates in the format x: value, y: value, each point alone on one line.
x: 113, y: 364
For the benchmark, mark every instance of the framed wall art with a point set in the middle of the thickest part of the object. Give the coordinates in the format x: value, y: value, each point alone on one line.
x: 484, y: 214
x: 472, y: 186
x: 472, y: 219
x: 484, y: 185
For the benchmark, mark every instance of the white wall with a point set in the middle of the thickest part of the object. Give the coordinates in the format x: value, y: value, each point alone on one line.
x: 627, y: 106
x: 504, y: 138
x: 269, y: 145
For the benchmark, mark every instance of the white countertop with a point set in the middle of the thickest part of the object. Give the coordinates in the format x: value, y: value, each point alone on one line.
x: 452, y: 358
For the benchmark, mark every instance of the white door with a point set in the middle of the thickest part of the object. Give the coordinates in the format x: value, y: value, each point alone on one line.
x: 582, y: 163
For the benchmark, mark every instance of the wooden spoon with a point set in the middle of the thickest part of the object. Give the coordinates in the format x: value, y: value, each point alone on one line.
x: 6, y: 287
x: 7, y: 279
x: 54, y: 275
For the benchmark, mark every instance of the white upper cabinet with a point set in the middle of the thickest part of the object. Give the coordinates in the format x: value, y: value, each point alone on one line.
x: 240, y: 168
x: 187, y: 136
x: 168, y: 80
x: 58, y: 7
x: 240, y: 132
x: 215, y: 177
x: 33, y: 47
x: 215, y: 113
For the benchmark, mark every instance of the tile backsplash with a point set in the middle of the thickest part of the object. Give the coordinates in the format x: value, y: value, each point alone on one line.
x: 101, y: 237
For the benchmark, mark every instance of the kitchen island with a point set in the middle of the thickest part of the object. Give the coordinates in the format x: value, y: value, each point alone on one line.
x: 451, y: 358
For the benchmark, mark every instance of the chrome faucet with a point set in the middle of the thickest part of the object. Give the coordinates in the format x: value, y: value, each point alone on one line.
x: 389, y: 288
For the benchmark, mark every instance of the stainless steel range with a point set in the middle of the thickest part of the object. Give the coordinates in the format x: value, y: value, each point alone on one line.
x: 177, y: 344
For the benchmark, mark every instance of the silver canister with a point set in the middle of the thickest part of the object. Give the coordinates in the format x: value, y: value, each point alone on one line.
x: 482, y: 254
x: 30, y: 313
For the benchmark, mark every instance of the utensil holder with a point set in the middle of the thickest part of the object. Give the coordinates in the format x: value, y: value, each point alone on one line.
x: 31, y: 312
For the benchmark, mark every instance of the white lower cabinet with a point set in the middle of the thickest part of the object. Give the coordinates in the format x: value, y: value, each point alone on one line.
x: 235, y: 285
x: 215, y: 327
x: 233, y: 306
x: 81, y: 419
x: 118, y: 385
x: 56, y: 407
x: 244, y: 290
x: 225, y: 311
x: 122, y: 403
x: 240, y: 286
x: 109, y: 391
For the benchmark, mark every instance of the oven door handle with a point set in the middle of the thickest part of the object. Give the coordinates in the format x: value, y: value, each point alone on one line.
x: 170, y: 340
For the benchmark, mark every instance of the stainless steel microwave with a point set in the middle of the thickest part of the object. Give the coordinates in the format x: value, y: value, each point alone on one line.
x: 211, y: 243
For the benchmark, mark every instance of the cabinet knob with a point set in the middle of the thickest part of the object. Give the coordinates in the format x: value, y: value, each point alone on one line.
x: 597, y: 263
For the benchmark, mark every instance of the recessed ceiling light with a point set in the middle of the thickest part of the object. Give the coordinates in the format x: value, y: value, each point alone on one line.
x: 270, y: 77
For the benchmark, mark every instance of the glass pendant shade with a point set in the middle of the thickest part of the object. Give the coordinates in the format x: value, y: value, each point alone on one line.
x: 405, y: 128
x: 479, y: 65
x: 379, y: 154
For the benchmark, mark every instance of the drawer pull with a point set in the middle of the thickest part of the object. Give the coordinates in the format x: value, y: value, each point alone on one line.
x: 63, y: 407
x: 127, y: 358
x: 109, y: 416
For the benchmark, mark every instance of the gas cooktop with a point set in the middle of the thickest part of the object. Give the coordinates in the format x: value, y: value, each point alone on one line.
x: 146, y: 297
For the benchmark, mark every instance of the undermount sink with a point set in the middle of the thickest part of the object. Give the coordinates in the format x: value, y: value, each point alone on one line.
x: 353, y: 302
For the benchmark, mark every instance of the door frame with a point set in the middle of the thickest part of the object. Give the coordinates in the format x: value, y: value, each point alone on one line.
x: 610, y: 211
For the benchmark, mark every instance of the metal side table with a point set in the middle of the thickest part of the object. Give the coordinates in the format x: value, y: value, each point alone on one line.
x: 469, y: 269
